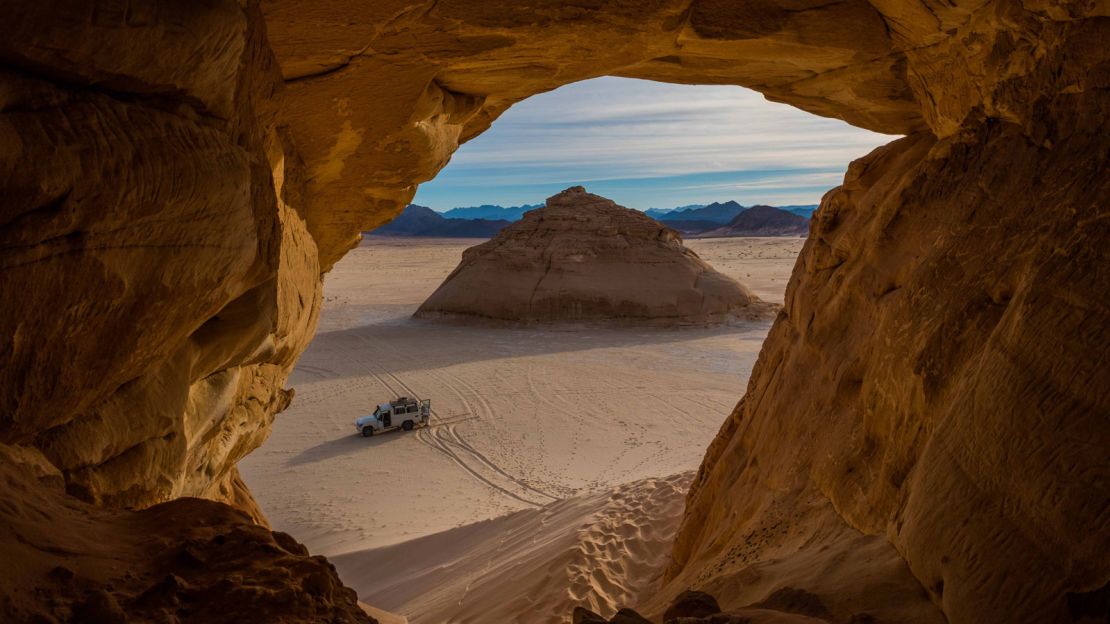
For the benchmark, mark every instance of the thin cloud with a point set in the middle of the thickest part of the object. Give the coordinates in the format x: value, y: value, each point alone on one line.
x: 647, y: 143
x: 826, y: 180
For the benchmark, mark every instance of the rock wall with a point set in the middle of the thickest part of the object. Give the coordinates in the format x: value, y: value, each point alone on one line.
x: 188, y: 560
x: 175, y: 176
x: 932, y: 380
x: 164, y: 288
x: 936, y: 376
x: 158, y: 288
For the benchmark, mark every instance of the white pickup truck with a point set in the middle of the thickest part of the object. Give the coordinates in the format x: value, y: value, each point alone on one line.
x: 404, y: 413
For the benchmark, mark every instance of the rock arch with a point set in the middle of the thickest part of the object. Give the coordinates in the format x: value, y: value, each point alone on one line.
x: 176, y: 176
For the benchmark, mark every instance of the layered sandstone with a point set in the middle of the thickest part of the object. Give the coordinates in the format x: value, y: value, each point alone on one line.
x: 158, y: 288
x: 584, y: 258
x: 965, y: 419
x: 934, y: 384
x: 161, y: 288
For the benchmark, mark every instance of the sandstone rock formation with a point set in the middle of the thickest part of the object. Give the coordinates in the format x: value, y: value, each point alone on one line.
x: 159, y: 282
x: 584, y: 258
x: 946, y: 432
x: 786, y: 606
x: 175, y: 177
x: 188, y: 560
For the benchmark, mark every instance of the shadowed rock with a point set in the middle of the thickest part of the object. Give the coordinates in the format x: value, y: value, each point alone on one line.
x: 801, y: 602
x: 628, y: 616
x: 692, y: 604
x: 189, y: 560
x: 582, y: 615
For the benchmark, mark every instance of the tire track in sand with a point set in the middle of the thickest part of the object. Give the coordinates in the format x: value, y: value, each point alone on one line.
x: 448, y: 441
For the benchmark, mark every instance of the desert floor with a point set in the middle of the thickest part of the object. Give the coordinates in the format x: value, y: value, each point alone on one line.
x: 557, y: 471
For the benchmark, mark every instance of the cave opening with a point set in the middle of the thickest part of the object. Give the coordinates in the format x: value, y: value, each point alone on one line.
x: 923, y: 437
x: 560, y: 417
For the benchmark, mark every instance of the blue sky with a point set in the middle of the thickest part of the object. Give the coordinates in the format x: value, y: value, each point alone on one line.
x: 651, y: 145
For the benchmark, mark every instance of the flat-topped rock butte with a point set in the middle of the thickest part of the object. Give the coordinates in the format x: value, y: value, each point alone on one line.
x: 583, y: 258
x: 176, y: 177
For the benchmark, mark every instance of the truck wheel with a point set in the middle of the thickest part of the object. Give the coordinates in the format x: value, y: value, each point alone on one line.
x: 407, y: 426
x: 367, y: 431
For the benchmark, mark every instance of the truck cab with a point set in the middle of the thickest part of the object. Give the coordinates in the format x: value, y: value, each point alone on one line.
x: 402, y: 413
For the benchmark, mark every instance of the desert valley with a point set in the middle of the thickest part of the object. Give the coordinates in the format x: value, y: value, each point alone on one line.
x: 565, y: 450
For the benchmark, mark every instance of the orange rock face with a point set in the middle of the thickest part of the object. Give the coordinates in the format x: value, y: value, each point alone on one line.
x: 584, y: 258
x: 175, y: 177
x: 932, y: 382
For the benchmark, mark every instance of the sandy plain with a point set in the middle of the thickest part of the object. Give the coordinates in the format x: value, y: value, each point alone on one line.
x: 556, y: 467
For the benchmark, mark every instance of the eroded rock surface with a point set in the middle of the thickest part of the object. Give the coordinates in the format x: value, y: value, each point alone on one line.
x: 584, y: 258
x: 157, y: 290
x: 175, y: 177
x: 786, y: 606
x: 379, y: 97
x: 160, y: 287
x: 935, y: 378
x: 188, y: 560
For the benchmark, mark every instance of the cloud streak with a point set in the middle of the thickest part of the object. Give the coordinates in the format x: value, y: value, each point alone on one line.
x: 649, y: 144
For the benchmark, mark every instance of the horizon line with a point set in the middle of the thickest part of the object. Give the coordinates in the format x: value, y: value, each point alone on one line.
x: 684, y: 206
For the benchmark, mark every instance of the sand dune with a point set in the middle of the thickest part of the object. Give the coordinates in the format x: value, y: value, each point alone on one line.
x: 600, y: 550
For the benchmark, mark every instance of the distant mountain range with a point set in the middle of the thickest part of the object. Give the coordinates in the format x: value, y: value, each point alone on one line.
x: 655, y: 213
x: 689, y: 226
x: 422, y: 221
x: 805, y: 210
x: 716, y: 219
x: 762, y: 221
x: 690, y: 218
x: 716, y: 212
x: 493, y: 213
